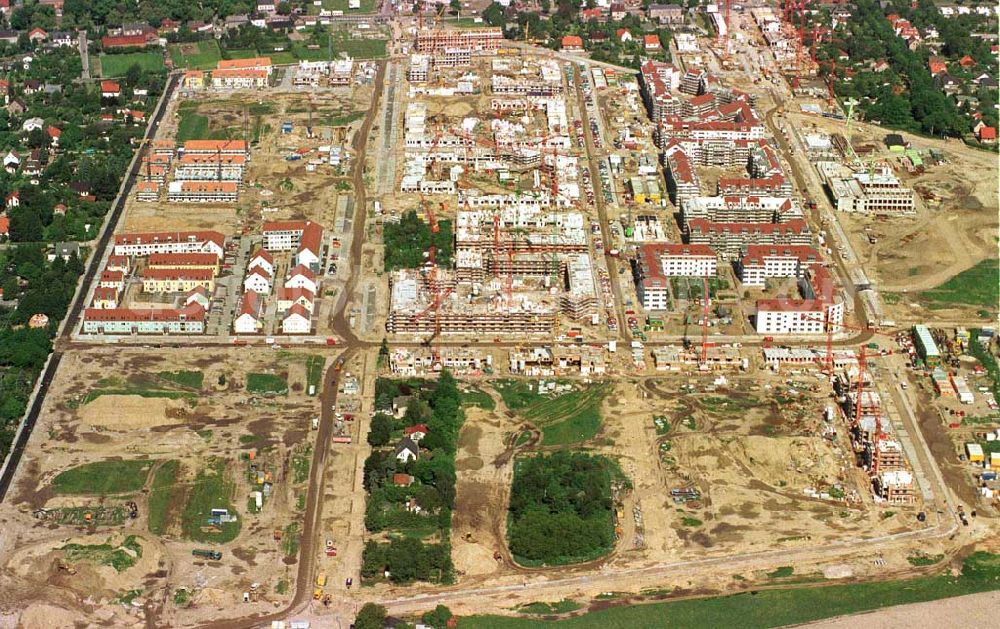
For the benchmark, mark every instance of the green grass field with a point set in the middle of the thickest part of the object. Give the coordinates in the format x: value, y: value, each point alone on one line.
x: 355, y: 48
x: 120, y: 558
x: 314, y: 372
x: 118, y: 65
x: 93, y: 394
x: 367, y: 6
x: 184, y: 378
x: 568, y: 418
x: 161, y: 496
x: 103, y: 477
x: 475, y: 396
x: 771, y: 608
x: 211, y: 490
x: 978, y: 286
x: 242, y: 53
x: 202, y: 55
x: 266, y: 383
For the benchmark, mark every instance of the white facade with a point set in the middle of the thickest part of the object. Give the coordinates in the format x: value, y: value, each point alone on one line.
x: 688, y: 265
x: 257, y: 282
x: 296, y: 323
x: 246, y: 324
x: 794, y: 316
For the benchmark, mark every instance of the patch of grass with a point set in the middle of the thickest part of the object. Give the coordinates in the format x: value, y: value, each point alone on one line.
x: 560, y: 607
x: 243, y: 53
x: 182, y: 597
x: 718, y: 404
x: 772, y: 608
x: 474, y: 396
x: 210, y: 490
x: 692, y: 522
x: 120, y: 558
x: 103, y: 477
x: 781, y: 573
x: 128, y: 596
x: 118, y: 64
x: 921, y: 559
x: 202, y: 55
x: 978, y: 286
x: 314, y: 372
x: 290, y: 540
x: 191, y: 125
x: 300, y: 466
x: 266, y: 384
x: 205, y: 434
x: 355, y: 48
x: 568, y: 418
x: 160, y: 496
x: 281, y: 587
x: 518, y: 394
x: 93, y: 394
x: 346, y: 119
x: 189, y: 379
x: 367, y: 6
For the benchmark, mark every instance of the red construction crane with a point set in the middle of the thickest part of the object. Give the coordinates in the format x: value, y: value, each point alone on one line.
x: 828, y: 329
x: 725, y: 20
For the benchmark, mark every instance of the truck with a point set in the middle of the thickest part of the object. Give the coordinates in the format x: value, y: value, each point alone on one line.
x: 207, y: 554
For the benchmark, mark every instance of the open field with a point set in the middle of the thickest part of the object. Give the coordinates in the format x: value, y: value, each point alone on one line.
x: 771, y: 608
x: 977, y: 286
x: 202, y: 55
x: 191, y: 456
x: 117, y: 65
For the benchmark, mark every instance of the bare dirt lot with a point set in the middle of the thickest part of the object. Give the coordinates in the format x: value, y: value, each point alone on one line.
x: 955, y: 226
x: 200, y: 414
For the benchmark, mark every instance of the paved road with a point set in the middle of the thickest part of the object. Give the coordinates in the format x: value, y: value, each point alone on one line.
x: 84, y: 55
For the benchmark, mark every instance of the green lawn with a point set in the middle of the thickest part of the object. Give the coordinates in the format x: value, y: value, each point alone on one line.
x: 103, y: 477
x: 147, y: 393
x: 266, y: 383
x: 189, y: 379
x: 367, y: 6
x: 118, y: 65
x: 314, y: 372
x: 211, y: 490
x: 474, y: 396
x: 355, y: 48
x: 242, y: 53
x: 771, y: 608
x: 161, y: 496
x: 120, y: 558
x: 564, y: 419
x: 978, y: 286
x: 561, y: 607
x: 202, y: 55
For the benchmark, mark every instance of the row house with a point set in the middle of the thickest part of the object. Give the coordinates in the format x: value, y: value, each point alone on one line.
x: 257, y: 280
x: 250, y: 319
x: 741, y: 209
x: 202, y: 191
x: 214, y: 148
x: 306, y: 237
x: 239, y: 79
x: 146, y: 243
x: 117, y: 321
x: 200, y: 167
x: 177, y: 280
x: 148, y: 191
x: 730, y: 240
x: 105, y: 297
x: 205, y: 261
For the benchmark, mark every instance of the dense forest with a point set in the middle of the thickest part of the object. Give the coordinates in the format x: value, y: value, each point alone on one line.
x: 560, y: 508
x: 439, y: 407
x: 407, y: 242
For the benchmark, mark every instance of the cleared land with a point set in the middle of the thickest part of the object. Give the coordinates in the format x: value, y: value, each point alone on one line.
x: 202, y: 55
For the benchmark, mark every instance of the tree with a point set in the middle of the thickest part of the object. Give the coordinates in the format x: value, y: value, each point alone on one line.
x: 493, y: 15
x: 456, y: 6
x: 438, y: 617
x: 380, y: 431
x: 371, y: 616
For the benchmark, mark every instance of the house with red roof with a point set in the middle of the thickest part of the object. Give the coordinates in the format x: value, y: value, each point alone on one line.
x: 4, y: 226
x: 623, y: 35
x: 651, y: 42
x: 966, y: 61
x: 987, y: 134
x: 572, y: 43
x: 110, y: 89
x: 937, y: 65
x: 416, y: 432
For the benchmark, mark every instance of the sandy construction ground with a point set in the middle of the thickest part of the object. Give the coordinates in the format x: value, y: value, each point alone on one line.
x: 221, y: 420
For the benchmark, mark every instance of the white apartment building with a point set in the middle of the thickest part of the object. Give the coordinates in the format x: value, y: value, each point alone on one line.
x: 145, y: 243
x: 797, y: 316
x: 762, y: 262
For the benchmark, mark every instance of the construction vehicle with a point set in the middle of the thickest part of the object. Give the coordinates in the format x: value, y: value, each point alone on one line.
x: 207, y: 554
x: 321, y: 579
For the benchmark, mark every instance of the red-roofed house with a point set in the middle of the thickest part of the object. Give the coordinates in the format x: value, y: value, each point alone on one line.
x: 110, y: 89
x: 249, y: 319
x: 572, y: 43
x: 937, y: 66
x: 651, y: 42
x: 966, y: 61
x: 4, y: 226
x: 416, y: 432
x: 988, y: 135
x: 296, y: 321
x: 53, y: 133
x: 623, y: 35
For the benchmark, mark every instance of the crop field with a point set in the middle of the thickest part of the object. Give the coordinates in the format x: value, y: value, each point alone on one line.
x: 978, y: 286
